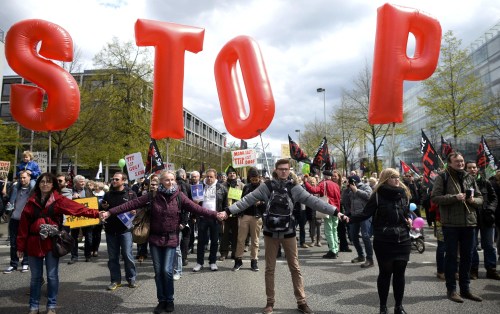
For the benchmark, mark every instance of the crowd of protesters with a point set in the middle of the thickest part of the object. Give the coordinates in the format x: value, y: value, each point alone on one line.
x: 222, y: 214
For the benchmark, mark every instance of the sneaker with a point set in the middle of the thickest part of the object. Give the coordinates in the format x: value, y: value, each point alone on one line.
x: 304, y: 246
x: 253, y: 265
x: 213, y: 267
x: 160, y: 307
x: 330, y: 255
x: 346, y: 250
x: 169, y: 307
x: 453, y: 296
x: 197, y: 268
x: 9, y: 270
x: 440, y: 276
x: 25, y: 269
x: 132, y: 284
x: 470, y: 296
x: 318, y: 244
x: 268, y: 309
x: 177, y: 277
x: 112, y: 286
x: 367, y: 264
x: 304, y: 308
x: 51, y: 310
x: 237, y: 264
x: 72, y: 261
x: 358, y: 259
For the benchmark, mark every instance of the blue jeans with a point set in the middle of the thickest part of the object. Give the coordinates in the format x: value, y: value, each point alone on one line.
x: 52, y: 268
x: 207, y: 227
x: 178, y: 257
x: 440, y: 252
x: 488, y: 246
x: 365, y: 227
x: 163, y: 265
x: 14, y: 260
x: 452, y: 237
x: 115, y: 242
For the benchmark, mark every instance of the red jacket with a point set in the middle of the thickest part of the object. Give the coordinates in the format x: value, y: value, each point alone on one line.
x: 332, y: 191
x: 28, y: 237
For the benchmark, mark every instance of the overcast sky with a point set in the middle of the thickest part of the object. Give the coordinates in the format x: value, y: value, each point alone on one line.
x: 306, y: 44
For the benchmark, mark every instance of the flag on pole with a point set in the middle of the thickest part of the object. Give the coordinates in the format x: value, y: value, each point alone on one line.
x: 446, y: 148
x: 99, y: 171
x: 322, y: 157
x: 430, y: 159
x: 485, y: 160
x: 404, y: 167
x: 154, y: 161
x: 415, y: 168
x: 243, y: 144
x: 71, y: 173
x: 296, y: 153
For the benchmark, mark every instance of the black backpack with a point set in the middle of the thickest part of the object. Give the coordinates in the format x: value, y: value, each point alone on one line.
x: 278, y: 216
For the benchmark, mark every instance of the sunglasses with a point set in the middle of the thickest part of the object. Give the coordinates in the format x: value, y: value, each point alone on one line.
x: 116, y: 179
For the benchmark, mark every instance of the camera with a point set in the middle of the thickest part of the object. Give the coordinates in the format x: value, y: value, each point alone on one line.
x: 351, y: 181
x: 469, y: 193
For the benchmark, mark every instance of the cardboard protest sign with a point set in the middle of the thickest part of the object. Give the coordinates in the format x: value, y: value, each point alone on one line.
x: 77, y: 222
x: 135, y: 166
x: 244, y: 158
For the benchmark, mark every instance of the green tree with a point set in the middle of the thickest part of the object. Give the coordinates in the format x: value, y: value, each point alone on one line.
x: 453, y: 95
x: 10, y: 139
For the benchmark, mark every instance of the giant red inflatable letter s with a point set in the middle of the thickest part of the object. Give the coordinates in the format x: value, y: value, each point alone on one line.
x: 391, y: 65
x: 258, y: 88
x: 63, y: 94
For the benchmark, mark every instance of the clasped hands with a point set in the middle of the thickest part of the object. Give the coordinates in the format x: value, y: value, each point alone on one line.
x: 221, y: 216
x: 343, y: 217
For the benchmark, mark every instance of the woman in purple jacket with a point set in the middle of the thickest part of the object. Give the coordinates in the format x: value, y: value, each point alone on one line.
x: 164, y: 234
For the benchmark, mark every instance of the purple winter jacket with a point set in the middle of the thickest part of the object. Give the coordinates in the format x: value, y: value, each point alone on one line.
x: 165, y: 215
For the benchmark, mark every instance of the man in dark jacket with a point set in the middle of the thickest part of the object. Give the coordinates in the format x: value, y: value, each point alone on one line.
x: 185, y: 215
x: 118, y: 236
x: 457, y: 208
x: 214, y: 198
x: 485, y: 225
x: 229, y: 235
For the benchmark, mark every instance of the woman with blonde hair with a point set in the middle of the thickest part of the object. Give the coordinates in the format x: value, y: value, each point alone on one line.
x: 388, y: 205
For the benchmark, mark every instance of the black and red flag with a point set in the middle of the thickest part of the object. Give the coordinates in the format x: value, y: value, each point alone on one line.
x: 415, y: 168
x: 243, y: 144
x: 322, y: 157
x: 296, y: 153
x: 430, y: 159
x: 446, y: 148
x: 485, y: 160
x: 404, y: 167
x: 154, y: 162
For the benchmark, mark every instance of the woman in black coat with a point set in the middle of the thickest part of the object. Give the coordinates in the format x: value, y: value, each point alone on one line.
x: 388, y: 205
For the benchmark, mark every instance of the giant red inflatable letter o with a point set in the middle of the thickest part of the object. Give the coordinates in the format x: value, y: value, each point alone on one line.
x: 170, y: 42
x: 391, y: 65
x: 63, y: 107
x: 258, y: 88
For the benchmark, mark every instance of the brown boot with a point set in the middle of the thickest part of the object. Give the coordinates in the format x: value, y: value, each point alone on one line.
x: 491, y: 273
x: 474, y: 273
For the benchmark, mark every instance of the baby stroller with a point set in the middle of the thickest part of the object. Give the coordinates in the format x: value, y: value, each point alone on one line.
x: 417, y: 235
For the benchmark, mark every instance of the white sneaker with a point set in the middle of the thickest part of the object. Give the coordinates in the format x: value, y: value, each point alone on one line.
x: 197, y: 268
x: 9, y: 270
x: 177, y: 276
x: 214, y: 267
x: 25, y: 269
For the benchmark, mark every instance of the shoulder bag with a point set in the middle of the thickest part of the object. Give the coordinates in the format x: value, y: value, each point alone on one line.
x: 142, y: 223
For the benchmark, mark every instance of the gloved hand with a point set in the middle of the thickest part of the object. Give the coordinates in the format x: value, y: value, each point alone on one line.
x: 296, y: 180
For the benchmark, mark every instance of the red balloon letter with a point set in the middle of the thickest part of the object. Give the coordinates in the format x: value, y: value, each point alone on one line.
x: 258, y: 88
x: 391, y: 65
x: 170, y: 41
x: 26, y: 101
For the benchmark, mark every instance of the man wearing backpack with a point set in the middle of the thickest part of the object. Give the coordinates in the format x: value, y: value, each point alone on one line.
x: 280, y: 194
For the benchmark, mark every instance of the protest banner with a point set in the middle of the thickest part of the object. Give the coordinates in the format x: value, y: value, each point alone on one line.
x: 135, y: 166
x: 77, y: 222
x: 234, y: 194
x: 197, y: 192
x: 285, y: 151
x: 244, y: 158
x: 41, y: 159
x: 4, y: 168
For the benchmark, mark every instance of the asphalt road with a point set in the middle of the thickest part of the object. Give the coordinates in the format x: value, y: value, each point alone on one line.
x: 332, y: 286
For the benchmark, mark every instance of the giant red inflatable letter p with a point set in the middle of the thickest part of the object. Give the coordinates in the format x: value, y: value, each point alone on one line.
x: 391, y: 65
x: 26, y: 102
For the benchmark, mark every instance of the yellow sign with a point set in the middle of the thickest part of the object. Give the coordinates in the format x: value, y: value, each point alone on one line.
x: 234, y: 194
x: 77, y: 222
x: 285, y: 151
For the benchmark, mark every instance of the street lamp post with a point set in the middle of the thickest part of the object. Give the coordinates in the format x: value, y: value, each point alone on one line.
x: 322, y: 90
x: 222, y: 150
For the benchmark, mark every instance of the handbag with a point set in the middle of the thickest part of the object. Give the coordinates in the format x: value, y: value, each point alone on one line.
x: 324, y: 198
x: 62, y: 243
x: 142, y: 223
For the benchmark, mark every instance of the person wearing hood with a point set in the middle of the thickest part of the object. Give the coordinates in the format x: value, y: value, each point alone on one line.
x: 214, y: 199
x: 229, y: 234
x: 168, y: 201
x: 458, y: 197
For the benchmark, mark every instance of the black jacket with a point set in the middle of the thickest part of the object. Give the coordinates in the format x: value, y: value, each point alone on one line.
x: 486, y: 214
x: 113, y: 224
x: 389, y: 209
x: 254, y: 210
